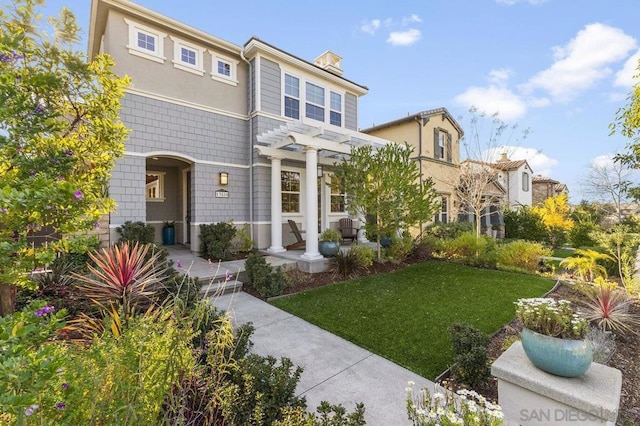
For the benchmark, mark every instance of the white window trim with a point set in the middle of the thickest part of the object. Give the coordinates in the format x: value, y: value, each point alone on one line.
x: 341, y: 111
x: 328, y: 88
x: 160, y: 197
x: 233, y: 78
x: 299, y: 192
x: 134, y: 28
x: 323, y: 106
x: 284, y: 94
x: 178, y: 44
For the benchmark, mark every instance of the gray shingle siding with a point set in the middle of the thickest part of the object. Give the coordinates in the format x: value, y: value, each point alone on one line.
x: 270, y: 87
x: 126, y: 187
x: 351, y: 112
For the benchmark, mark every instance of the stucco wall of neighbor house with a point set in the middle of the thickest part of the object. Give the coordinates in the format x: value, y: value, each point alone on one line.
x: 517, y: 196
x: 165, y: 79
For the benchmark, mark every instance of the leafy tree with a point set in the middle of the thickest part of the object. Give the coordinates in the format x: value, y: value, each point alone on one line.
x: 555, y: 216
x: 59, y: 138
x: 627, y: 123
x: 386, y: 186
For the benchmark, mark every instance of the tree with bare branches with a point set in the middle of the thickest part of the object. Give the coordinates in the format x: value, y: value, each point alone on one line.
x: 608, y: 181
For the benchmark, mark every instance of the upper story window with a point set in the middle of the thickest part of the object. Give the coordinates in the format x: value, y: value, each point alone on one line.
x: 442, y: 145
x: 525, y: 181
x: 291, y: 96
x: 290, y: 186
x: 315, y: 102
x: 335, y: 114
x: 154, y: 187
x: 187, y: 56
x: 145, y: 42
x: 313, y: 97
x: 224, y: 69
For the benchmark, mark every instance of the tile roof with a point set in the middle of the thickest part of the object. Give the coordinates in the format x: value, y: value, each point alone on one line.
x: 509, y: 165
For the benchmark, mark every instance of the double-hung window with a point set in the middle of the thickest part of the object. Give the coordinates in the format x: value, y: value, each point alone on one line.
x: 335, y: 112
x: 291, y: 96
x: 290, y: 186
x: 315, y: 102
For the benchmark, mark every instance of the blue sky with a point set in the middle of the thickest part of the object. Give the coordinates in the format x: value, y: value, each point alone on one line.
x: 558, y: 67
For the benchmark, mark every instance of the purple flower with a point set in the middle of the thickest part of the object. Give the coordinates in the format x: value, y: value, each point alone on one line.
x: 10, y: 57
x: 68, y: 152
x: 178, y: 264
x: 44, y: 311
x: 3, y: 210
x: 39, y: 109
x: 96, y: 224
x: 32, y: 172
x: 65, y: 385
x: 61, y: 405
x: 60, y: 178
x: 228, y: 276
x: 29, y: 411
x: 78, y: 194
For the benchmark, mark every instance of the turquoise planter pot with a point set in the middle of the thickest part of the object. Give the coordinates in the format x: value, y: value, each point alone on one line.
x: 328, y: 248
x: 385, y: 242
x: 562, y: 357
x: 168, y: 236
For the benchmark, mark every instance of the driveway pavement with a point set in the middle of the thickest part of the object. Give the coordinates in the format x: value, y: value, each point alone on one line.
x: 335, y: 370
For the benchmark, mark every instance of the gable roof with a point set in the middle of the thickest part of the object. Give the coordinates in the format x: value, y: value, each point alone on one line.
x: 510, y: 165
x: 422, y: 115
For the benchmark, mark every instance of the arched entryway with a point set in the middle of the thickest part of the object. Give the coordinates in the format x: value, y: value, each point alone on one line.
x: 168, y: 195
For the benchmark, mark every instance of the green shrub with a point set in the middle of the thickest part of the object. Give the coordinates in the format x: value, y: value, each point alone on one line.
x: 471, y: 357
x: 524, y: 224
x: 449, y: 230
x: 139, y: 232
x: 581, y: 234
x: 263, y: 278
x: 242, y: 242
x: 364, y: 253
x: 330, y: 234
x: 215, y: 240
x: 401, y: 247
x: 346, y: 263
x: 521, y: 255
x: 471, y: 249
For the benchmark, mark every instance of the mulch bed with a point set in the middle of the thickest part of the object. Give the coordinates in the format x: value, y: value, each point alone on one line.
x: 626, y: 357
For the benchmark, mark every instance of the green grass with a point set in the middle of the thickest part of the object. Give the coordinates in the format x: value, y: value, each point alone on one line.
x: 560, y: 252
x: 404, y: 316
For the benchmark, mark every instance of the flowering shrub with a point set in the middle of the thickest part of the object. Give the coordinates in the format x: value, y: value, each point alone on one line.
x: 555, y: 318
x: 445, y: 408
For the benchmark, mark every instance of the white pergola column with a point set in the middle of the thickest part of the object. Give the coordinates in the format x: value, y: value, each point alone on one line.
x: 276, y: 206
x: 311, y: 192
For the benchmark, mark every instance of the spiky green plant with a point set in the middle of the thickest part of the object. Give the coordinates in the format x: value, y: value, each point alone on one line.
x: 608, y: 307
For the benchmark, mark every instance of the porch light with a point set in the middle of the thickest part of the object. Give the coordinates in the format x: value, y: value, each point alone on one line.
x: 320, y: 171
x: 224, y: 178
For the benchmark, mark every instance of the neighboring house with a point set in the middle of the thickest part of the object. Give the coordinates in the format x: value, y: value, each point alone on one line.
x: 435, y: 137
x: 481, y: 193
x: 544, y: 187
x: 515, y: 177
x: 225, y: 132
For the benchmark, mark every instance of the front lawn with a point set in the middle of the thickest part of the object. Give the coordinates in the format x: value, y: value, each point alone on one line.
x: 563, y: 252
x: 404, y: 315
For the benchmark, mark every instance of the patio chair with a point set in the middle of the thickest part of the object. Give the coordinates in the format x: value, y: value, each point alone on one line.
x: 348, y: 230
x: 300, y: 242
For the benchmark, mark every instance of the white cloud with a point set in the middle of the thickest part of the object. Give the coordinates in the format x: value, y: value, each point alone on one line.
x: 512, y: 2
x: 540, y: 163
x: 625, y: 77
x: 404, y: 38
x: 493, y: 99
x: 500, y: 76
x: 370, y: 27
x: 603, y: 161
x: 411, y: 19
x: 582, y: 62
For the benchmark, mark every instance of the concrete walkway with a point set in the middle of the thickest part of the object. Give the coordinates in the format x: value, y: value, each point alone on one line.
x: 335, y: 370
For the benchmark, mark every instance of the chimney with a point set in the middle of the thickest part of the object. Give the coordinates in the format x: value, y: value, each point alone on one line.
x: 329, y: 61
x: 503, y: 157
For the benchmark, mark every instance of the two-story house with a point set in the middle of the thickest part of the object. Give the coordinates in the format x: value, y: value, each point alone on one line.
x: 225, y: 132
x: 544, y: 187
x: 435, y: 137
x: 515, y: 177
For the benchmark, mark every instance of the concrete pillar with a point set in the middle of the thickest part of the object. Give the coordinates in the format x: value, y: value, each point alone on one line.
x: 276, y: 206
x: 311, y: 192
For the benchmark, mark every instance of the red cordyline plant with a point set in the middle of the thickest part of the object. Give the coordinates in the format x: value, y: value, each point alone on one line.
x: 123, y: 276
x: 609, y: 307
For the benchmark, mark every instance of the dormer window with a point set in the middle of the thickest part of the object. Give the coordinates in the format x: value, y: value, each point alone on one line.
x: 145, y: 42
x: 188, y: 56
